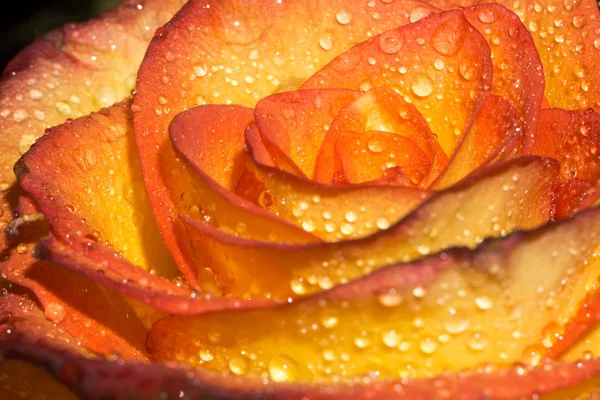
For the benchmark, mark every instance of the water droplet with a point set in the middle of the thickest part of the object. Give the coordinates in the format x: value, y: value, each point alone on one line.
x: 241, y: 227
x: 428, y: 345
x: 391, y: 42
x: 488, y: 15
x: 63, y: 108
x: 343, y: 17
x: 422, y: 85
x: 200, y: 70
x: 419, y: 292
x: 361, y: 342
x: 283, y: 369
x: 417, y: 14
x: 382, y: 223
x: 329, y: 321
x: 238, y: 365
x: 350, y: 216
x: 571, y: 5
x: 325, y: 41
x: 22, y: 248
x: 579, y: 21
x: 297, y: 286
x: 455, y: 325
x: 375, y: 145
x: 391, y: 338
x: 309, y: 225
x: 205, y: 355
x: 36, y: 94
x: 390, y: 299
x: 478, y: 341
x: 448, y: 38
x: 484, y: 303
x: 439, y: 64
x: 597, y: 44
x: 468, y: 70
x: 55, y: 312
x: 328, y: 355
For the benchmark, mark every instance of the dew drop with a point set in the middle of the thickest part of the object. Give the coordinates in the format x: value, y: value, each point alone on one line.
x: 488, y: 16
x: 597, y: 44
x: 391, y: 338
x: 282, y: 369
x: 325, y: 41
x: 468, y: 70
x: 106, y: 96
x: 55, y: 312
x: 205, y: 355
x: 478, y: 341
x: 361, y: 342
x: 390, y: 299
x: 428, y: 345
x: 329, y: 321
x: 297, y: 286
x: 422, y: 86
x: 343, y: 17
x: 309, y: 225
x: 579, y: 21
x: 36, y: 94
x: 382, y: 223
x: 419, y: 292
x: 350, y: 216
x: 484, y: 303
x: 439, y: 64
x: 200, y: 70
x: 375, y: 145
x: 391, y: 42
x: 63, y: 108
x: 417, y: 14
x: 454, y: 326
x: 22, y: 248
x: 571, y: 5
x: 238, y: 365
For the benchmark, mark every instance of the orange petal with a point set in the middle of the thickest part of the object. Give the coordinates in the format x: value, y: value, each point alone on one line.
x: 518, y: 73
x: 228, y: 52
x: 492, y: 199
x: 380, y: 109
x: 297, y: 122
x: 370, y: 156
x: 416, y: 61
x: 211, y: 140
x: 503, y: 303
x: 105, y: 377
x: 26, y: 381
x: 493, y: 136
x: 338, y: 212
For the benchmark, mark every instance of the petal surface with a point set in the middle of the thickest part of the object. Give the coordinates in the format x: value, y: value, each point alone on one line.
x: 416, y: 60
x: 449, y: 312
x: 485, y: 205
x: 231, y: 52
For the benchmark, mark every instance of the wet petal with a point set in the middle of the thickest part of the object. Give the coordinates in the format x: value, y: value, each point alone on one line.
x: 416, y: 61
x: 518, y: 73
x: 503, y: 303
x: 493, y: 136
x: 226, y: 52
x: 380, y: 109
x: 374, y: 155
x: 337, y: 212
x: 488, y: 204
x: 298, y: 121
x: 211, y: 139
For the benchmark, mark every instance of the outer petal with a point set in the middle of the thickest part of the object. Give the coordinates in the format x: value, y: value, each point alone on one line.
x: 503, y: 303
x: 118, y: 379
x: 416, y: 61
x: 211, y: 139
x: 491, y: 198
x: 242, y: 51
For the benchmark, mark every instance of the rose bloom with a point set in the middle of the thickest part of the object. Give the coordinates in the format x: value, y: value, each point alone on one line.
x: 296, y: 199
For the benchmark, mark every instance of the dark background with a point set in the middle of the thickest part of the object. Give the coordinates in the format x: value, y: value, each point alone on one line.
x: 24, y: 20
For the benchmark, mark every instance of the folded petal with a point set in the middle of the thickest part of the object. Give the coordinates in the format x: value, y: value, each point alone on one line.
x: 211, y: 140
x: 379, y: 109
x: 229, y: 52
x: 494, y: 135
x: 488, y: 204
x: 298, y: 121
x: 426, y: 63
x: 505, y: 302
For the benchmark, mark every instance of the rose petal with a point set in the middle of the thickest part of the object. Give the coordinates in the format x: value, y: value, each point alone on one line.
x: 211, y: 139
x: 380, y: 109
x: 209, y: 54
x: 298, y: 121
x: 518, y: 73
x: 493, y: 136
x: 21, y: 379
x: 493, y: 198
x: 374, y: 155
x: 119, y: 379
x: 416, y: 60
x: 338, y: 212
x: 449, y: 312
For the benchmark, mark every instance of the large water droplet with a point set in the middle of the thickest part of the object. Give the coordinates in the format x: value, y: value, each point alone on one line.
x: 283, y: 369
x: 238, y: 365
x: 55, y: 312
x: 343, y: 17
x: 422, y: 85
x: 391, y: 42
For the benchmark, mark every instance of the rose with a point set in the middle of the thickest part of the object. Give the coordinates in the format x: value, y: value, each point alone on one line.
x: 497, y: 273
